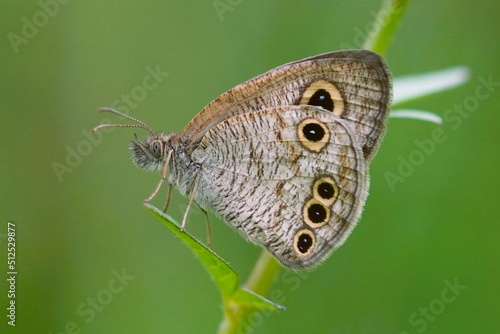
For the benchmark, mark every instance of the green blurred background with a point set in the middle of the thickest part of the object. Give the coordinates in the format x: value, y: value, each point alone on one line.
x: 79, y: 228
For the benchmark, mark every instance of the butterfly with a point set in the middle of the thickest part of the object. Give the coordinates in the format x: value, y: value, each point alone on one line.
x: 283, y: 158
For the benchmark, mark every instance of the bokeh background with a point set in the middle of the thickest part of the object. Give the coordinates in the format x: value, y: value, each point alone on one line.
x: 424, y: 258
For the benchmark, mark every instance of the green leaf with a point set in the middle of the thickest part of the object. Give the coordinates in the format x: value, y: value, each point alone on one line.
x: 224, y: 276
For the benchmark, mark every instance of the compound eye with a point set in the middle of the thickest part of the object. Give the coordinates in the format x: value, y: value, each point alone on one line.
x: 156, y: 148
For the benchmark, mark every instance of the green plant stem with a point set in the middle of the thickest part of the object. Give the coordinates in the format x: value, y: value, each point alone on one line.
x: 388, y: 18
x: 263, y: 275
x: 260, y: 281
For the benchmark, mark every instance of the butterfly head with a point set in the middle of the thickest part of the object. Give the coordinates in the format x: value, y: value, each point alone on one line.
x: 150, y: 154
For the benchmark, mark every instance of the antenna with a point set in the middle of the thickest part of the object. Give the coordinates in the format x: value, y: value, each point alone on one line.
x: 139, y: 124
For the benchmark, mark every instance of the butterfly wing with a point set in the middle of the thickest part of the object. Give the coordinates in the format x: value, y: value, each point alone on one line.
x: 354, y: 85
x: 292, y: 179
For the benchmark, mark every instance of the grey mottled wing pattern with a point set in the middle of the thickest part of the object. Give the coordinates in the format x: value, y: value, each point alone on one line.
x: 360, y: 77
x: 258, y: 173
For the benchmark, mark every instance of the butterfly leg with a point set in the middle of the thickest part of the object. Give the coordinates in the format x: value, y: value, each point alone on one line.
x: 191, y: 199
x: 209, y: 229
x: 163, y: 177
x: 167, y: 201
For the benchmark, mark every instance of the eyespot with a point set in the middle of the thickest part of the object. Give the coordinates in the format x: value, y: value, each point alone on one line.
x: 303, y: 242
x: 313, y: 134
x: 325, y: 95
x: 315, y: 213
x: 156, y: 148
x: 325, y: 190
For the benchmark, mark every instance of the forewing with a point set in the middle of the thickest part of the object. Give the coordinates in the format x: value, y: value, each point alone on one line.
x: 356, y: 82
